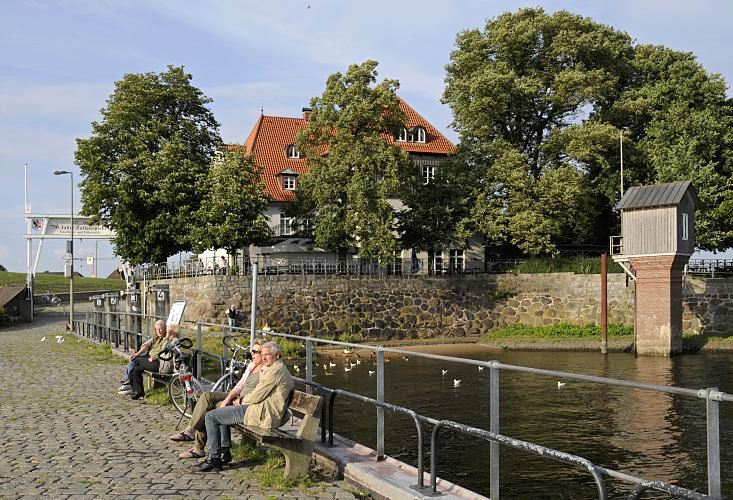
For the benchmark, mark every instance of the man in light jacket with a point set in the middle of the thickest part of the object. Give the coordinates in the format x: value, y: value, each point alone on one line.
x: 265, y: 407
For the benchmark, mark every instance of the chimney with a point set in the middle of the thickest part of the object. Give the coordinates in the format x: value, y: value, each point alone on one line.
x: 307, y: 113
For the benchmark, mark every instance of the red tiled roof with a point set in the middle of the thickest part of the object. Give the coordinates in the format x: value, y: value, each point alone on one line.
x: 271, y: 136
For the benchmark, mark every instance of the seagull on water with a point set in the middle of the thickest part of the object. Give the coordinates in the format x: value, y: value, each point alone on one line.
x: 445, y: 372
x: 347, y: 368
x: 331, y: 364
x: 456, y: 382
x: 560, y: 384
x: 480, y: 368
x: 371, y: 372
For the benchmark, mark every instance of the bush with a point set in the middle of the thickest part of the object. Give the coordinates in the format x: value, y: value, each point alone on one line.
x: 559, y: 331
x: 4, y: 319
x: 2, y: 268
x: 577, y: 265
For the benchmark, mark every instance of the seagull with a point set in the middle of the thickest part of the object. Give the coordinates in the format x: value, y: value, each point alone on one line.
x: 371, y: 372
x: 347, y: 368
x: 405, y: 358
x: 560, y: 384
x: 331, y: 364
x: 480, y: 368
x: 43, y: 339
x: 456, y: 382
x: 358, y: 361
x: 445, y: 372
x: 59, y: 339
x: 348, y: 350
x: 297, y: 368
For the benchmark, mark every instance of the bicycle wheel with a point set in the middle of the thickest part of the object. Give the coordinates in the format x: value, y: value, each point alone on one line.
x: 224, y: 384
x: 183, y: 402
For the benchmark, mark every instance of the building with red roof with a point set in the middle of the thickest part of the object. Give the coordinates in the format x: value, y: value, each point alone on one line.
x: 272, y: 143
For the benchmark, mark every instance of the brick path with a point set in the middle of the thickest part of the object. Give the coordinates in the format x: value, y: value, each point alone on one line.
x: 67, y: 432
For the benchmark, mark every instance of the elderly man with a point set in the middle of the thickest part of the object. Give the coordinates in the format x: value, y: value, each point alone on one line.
x: 264, y: 407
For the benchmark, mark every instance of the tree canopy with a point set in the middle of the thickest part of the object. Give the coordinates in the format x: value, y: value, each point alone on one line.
x: 231, y: 215
x: 540, y: 102
x: 145, y: 161
x: 354, y: 171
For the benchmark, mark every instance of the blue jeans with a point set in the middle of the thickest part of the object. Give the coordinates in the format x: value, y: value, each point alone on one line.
x: 129, y: 368
x: 217, y: 427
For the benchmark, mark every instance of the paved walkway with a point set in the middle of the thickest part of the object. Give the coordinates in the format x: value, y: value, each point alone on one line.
x: 67, y: 433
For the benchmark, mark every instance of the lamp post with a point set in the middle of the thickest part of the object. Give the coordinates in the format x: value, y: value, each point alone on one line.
x: 71, y: 248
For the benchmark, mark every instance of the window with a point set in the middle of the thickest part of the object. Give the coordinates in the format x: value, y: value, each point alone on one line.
x: 428, y: 173
x: 685, y: 227
x: 435, y: 262
x: 286, y: 225
x: 403, y: 135
x: 456, y: 260
x: 293, y: 152
x: 420, y: 134
x: 289, y: 182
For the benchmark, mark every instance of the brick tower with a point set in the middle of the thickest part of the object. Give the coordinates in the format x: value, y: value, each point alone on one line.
x: 657, y: 239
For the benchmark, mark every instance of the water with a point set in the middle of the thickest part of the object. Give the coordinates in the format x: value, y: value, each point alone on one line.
x: 647, y: 434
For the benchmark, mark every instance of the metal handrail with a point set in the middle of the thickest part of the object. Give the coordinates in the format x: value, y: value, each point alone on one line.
x: 387, y: 406
x: 536, y: 449
x: 712, y: 396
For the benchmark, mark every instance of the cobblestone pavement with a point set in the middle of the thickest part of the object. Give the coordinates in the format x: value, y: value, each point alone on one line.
x: 68, y: 434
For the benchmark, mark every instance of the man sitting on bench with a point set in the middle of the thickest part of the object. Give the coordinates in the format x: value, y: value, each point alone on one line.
x: 264, y: 407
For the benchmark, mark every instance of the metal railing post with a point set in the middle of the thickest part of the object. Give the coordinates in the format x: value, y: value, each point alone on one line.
x: 380, y: 398
x: 199, y: 348
x: 713, y: 439
x: 494, y: 427
x: 309, y: 365
x: 253, y: 313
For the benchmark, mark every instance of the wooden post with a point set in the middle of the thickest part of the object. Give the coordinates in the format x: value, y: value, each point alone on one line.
x: 604, y: 304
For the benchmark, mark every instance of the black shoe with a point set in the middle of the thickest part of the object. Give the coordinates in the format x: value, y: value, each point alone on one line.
x: 137, y: 395
x: 208, y: 465
x: 226, y: 457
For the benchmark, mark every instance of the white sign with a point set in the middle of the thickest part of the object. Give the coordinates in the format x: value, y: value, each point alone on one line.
x: 46, y: 226
x: 113, y: 300
x: 90, y: 260
x: 176, y: 314
x: 161, y: 295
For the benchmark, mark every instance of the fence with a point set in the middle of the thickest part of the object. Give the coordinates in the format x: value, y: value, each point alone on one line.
x: 114, y: 330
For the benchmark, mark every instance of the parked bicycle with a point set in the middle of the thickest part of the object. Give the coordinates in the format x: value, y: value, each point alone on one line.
x: 184, y: 388
x: 233, y: 369
x: 52, y: 299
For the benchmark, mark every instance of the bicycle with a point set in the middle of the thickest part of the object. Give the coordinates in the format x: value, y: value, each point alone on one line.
x: 234, y: 369
x: 52, y: 299
x: 184, y: 389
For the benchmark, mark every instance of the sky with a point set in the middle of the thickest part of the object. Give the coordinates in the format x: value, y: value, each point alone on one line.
x: 59, y: 61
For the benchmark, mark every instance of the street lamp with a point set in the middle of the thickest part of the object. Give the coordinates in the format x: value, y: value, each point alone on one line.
x: 71, y: 248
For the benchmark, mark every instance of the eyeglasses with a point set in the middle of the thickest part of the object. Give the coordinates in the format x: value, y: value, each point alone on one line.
x: 255, y: 352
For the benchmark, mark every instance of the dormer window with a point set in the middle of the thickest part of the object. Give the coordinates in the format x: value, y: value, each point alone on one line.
x: 420, y: 134
x: 292, y: 152
x: 414, y: 134
x: 289, y: 182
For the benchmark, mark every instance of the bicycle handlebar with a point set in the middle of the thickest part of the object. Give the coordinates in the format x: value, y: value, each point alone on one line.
x: 167, y: 353
x: 227, y: 339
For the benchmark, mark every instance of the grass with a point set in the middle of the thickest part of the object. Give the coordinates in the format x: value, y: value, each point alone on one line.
x: 100, y: 353
x: 158, y: 396
x: 559, y: 331
x: 54, y: 283
x: 577, y: 265
x: 268, y: 468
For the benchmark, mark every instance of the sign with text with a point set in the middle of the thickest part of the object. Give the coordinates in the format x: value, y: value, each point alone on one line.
x: 59, y: 227
x: 176, y: 314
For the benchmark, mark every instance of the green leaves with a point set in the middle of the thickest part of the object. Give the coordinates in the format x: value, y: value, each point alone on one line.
x: 144, y: 161
x: 231, y: 215
x: 353, y: 170
x: 540, y: 102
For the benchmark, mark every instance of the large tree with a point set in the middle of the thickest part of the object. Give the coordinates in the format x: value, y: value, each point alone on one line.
x: 540, y: 102
x: 231, y: 215
x: 144, y: 162
x: 354, y: 170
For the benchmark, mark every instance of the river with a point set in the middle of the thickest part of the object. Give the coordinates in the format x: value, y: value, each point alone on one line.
x: 647, y: 434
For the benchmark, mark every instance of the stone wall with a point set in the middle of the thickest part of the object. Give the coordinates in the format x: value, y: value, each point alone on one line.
x: 415, y: 307
x: 421, y: 307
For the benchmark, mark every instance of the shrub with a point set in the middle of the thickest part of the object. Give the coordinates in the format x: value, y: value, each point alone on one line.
x: 559, y: 331
x: 577, y: 265
x: 4, y: 319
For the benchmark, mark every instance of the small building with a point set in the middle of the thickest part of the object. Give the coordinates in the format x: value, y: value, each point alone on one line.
x: 14, y: 299
x: 656, y: 242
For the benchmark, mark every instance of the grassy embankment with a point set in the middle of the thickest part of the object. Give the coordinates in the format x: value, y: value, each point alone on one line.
x: 54, y: 283
x: 577, y: 265
x: 559, y: 332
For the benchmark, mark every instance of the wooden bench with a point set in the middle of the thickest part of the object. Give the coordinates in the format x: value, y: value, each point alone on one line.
x: 153, y: 379
x: 297, y: 448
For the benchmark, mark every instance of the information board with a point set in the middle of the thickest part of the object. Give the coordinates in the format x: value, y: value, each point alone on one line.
x: 176, y: 314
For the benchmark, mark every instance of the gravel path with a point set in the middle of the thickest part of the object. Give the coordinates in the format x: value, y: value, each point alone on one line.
x: 68, y: 433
